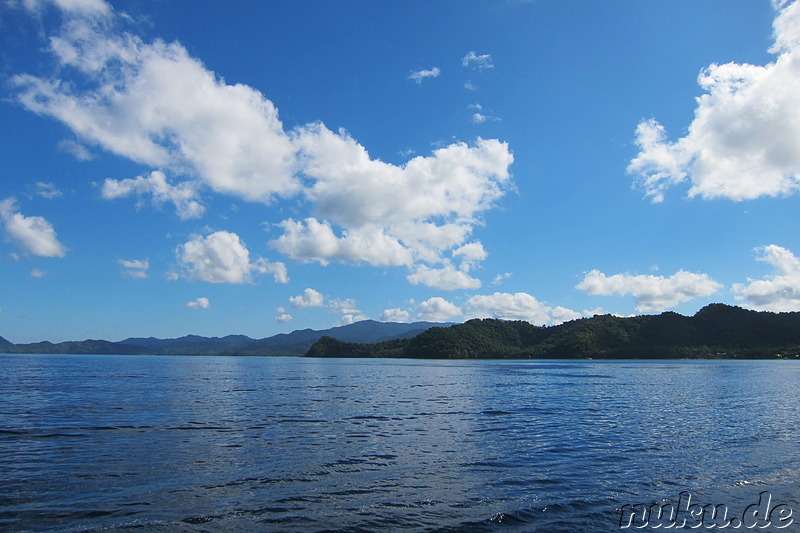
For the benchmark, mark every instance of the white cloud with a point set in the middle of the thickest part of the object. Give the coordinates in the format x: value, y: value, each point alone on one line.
x: 498, y: 279
x: 135, y: 268
x: 480, y: 118
x: 780, y: 292
x: 182, y: 196
x: 420, y: 75
x: 391, y: 215
x: 155, y: 104
x: 199, y: 303
x: 83, y: 7
x: 77, y: 150
x: 312, y: 240
x: 437, y: 309
x: 37, y: 273
x: 470, y: 254
x: 446, y: 278
x: 507, y: 306
x: 35, y: 234
x: 47, y: 190
x: 309, y: 298
x: 481, y: 62
x: 346, y: 306
x: 652, y: 293
x: 283, y: 317
x: 351, y: 319
x: 559, y: 315
x: 394, y: 315
x: 222, y: 258
x: 278, y: 269
x: 744, y: 141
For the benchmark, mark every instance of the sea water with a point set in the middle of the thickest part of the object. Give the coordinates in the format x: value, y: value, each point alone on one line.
x: 160, y: 443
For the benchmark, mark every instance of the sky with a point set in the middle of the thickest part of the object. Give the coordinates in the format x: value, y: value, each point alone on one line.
x: 215, y: 168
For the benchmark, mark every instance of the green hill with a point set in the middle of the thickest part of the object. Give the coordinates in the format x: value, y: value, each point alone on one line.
x: 716, y: 331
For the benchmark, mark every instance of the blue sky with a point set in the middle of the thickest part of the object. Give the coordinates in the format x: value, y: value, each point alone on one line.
x: 258, y: 167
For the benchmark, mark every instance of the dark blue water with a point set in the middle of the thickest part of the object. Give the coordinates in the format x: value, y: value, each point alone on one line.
x: 90, y: 443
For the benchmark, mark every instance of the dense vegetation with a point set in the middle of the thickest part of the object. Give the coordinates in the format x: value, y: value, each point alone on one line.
x: 716, y: 331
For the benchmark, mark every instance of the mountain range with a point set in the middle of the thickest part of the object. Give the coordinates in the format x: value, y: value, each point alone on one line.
x: 715, y: 331
x: 294, y: 343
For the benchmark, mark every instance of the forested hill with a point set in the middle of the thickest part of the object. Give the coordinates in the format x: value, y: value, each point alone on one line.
x: 716, y: 331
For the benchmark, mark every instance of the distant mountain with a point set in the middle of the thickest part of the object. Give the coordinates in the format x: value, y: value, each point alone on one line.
x: 190, y: 344
x: 295, y: 343
x: 366, y: 331
x: 716, y: 331
x: 89, y: 346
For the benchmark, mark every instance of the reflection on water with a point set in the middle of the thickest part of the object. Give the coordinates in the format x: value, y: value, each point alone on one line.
x: 285, y: 444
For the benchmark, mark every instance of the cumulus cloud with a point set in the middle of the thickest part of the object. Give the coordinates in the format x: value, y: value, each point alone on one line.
x: 312, y: 240
x: 652, y: 293
x: 391, y: 215
x: 507, y: 306
x: 153, y: 103
x: 34, y: 234
x: 283, y: 317
x: 779, y: 292
x: 199, y: 303
x: 309, y: 298
x: 135, y: 268
x: 394, y: 315
x: 559, y: 315
x: 182, y: 196
x: 481, y: 62
x: 446, y: 278
x: 352, y: 319
x: 744, y: 141
x: 222, y: 257
x: 38, y: 273
x: 420, y: 75
x: 437, y: 309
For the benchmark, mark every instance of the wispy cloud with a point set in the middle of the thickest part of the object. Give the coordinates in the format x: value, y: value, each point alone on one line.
x: 134, y: 268
x: 481, y: 62
x: 33, y: 233
x: 420, y: 75
x: 47, y: 190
